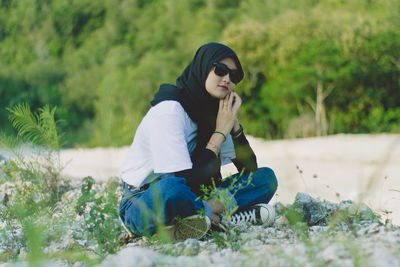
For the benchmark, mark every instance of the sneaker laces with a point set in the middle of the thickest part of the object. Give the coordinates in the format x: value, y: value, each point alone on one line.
x: 244, y: 216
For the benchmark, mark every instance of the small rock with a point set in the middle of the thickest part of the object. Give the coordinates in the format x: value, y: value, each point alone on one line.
x: 208, y: 247
x: 249, y: 236
x: 179, y: 248
x: 317, y: 230
x: 192, y: 247
x: 330, y: 207
x: 334, y: 252
x: 168, y: 249
x: 281, y: 221
x: 133, y: 256
x: 3, y: 160
x: 349, y: 207
x: 279, y: 209
x: 371, y: 229
x: 253, y: 243
x: 365, y: 212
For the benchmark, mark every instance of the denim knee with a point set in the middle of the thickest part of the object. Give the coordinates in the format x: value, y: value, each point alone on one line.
x: 269, y: 178
x: 178, y: 199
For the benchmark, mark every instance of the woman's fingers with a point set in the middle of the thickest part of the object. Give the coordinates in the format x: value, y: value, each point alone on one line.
x: 230, y: 101
x: 226, y: 114
x: 225, y: 102
x: 237, y: 102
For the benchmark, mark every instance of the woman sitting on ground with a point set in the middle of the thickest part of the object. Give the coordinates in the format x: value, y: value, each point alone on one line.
x: 188, y: 133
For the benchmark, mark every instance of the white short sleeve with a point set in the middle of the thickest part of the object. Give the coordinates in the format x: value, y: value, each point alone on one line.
x: 168, y: 146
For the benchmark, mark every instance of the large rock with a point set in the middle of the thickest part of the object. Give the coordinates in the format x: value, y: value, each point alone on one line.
x: 316, y: 212
x: 312, y: 211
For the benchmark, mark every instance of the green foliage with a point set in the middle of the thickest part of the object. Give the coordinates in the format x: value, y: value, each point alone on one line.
x: 86, y: 195
x: 101, y: 62
x: 38, y: 128
x: 322, y: 42
x: 43, y: 168
x: 227, y: 239
x: 100, y: 213
x: 37, y: 206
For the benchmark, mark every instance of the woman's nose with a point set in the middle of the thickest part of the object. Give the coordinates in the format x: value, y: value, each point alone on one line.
x: 226, y: 78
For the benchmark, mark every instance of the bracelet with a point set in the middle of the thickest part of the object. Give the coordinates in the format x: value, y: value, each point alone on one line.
x: 222, y: 134
x: 237, y: 133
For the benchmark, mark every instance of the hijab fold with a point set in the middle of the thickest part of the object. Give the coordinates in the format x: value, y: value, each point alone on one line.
x: 190, y: 91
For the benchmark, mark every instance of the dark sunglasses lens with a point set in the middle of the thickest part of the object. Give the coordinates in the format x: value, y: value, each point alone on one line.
x: 221, y: 70
x: 234, y: 76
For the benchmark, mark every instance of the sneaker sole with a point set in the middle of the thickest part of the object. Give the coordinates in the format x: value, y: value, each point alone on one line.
x: 190, y: 227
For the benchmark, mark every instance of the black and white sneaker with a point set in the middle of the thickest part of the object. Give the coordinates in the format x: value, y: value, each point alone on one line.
x: 261, y: 214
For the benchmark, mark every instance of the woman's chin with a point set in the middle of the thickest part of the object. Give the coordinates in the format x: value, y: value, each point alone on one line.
x: 221, y: 95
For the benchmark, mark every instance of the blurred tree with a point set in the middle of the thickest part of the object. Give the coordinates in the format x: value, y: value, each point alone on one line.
x: 311, y: 66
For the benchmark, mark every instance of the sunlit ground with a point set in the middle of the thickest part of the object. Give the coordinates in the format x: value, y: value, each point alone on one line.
x: 358, y: 167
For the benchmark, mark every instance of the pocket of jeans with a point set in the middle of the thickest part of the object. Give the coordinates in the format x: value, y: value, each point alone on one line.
x: 131, y: 194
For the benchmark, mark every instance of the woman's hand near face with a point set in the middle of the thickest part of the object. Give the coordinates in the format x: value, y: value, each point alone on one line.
x: 237, y: 102
x: 228, y: 108
x: 226, y: 119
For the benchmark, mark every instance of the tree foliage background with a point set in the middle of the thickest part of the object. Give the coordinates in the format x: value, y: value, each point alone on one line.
x: 313, y: 67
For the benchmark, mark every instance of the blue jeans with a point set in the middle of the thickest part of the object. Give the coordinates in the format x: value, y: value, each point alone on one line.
x: 142, y: 210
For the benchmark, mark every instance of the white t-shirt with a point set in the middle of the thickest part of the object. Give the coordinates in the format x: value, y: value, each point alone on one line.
x: 163, y: 143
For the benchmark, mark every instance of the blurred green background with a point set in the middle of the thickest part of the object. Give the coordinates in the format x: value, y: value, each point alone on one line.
x: 311, y: 67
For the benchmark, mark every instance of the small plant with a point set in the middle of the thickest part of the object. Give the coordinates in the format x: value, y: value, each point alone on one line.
x: 228, y: 238
x: 31, y: 182
x: 296, y: 222
x: 37, y: 220
x: 100, y: 214
x: 39, y: 130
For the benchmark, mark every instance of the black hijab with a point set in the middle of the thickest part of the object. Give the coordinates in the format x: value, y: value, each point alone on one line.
x: 191, y: 93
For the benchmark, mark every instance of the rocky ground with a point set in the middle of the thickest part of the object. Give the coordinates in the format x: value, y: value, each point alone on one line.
x: 326, y: 234
x: 315, y: 228
x: 308, y: 232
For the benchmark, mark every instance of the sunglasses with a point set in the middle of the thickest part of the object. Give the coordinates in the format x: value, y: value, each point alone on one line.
x: 221, y: 70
